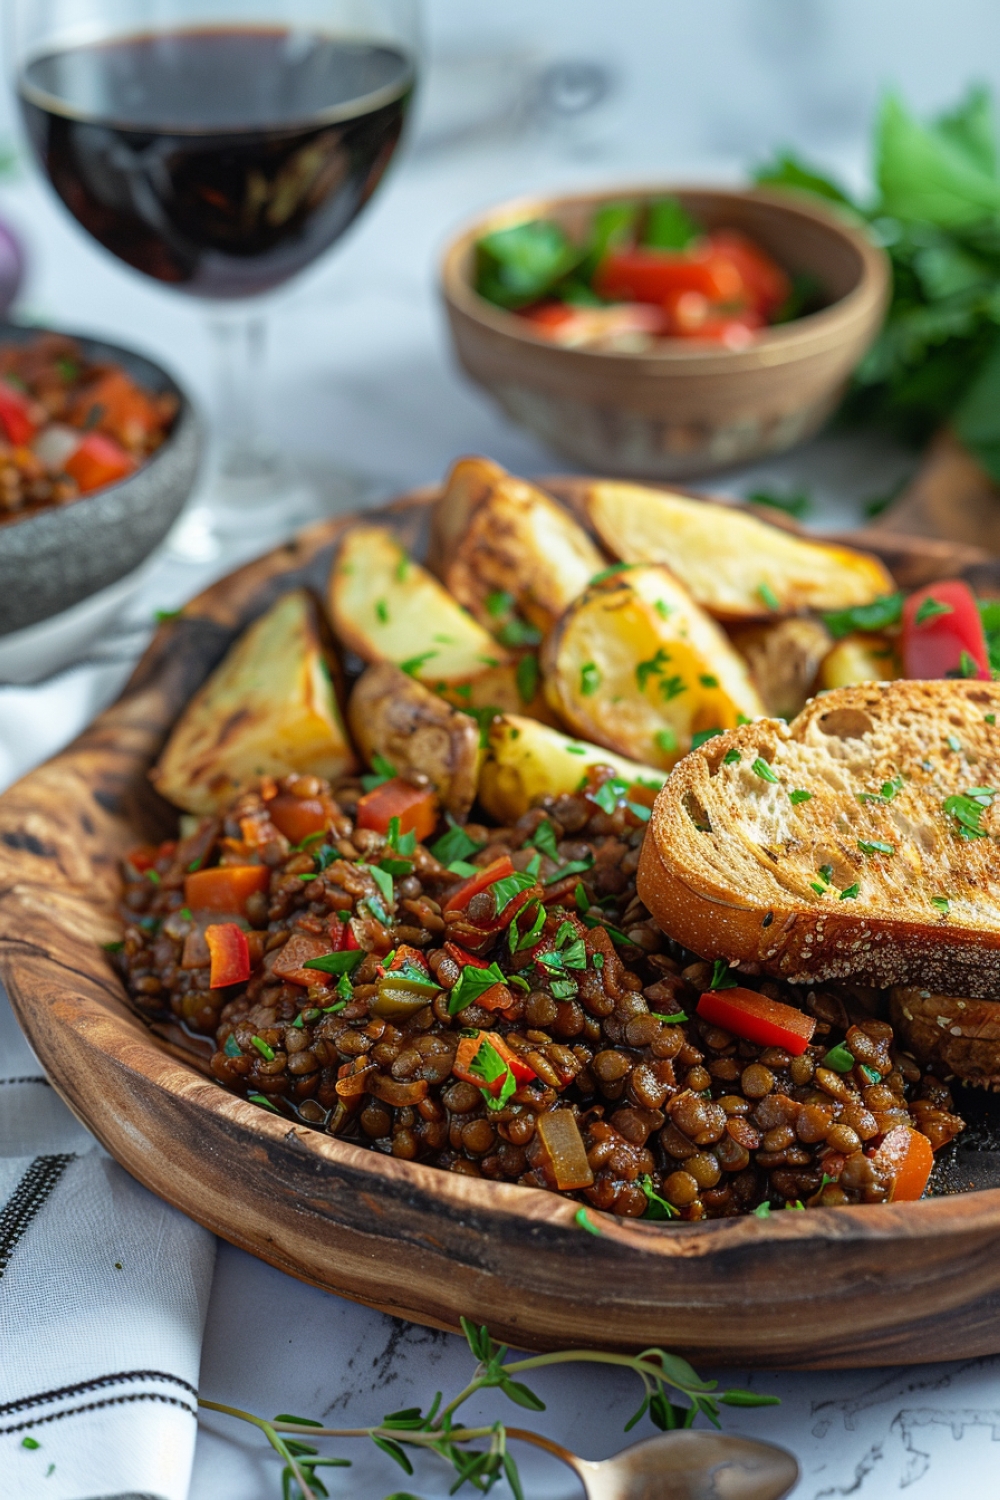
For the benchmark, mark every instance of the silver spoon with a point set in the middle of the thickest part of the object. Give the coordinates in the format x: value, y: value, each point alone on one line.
x: 682, y: 1466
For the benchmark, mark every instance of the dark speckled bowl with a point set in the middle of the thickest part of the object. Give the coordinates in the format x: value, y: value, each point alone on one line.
x: 53, y: 559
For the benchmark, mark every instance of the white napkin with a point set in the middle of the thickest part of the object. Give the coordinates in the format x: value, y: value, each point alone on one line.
x: 103, y: 1296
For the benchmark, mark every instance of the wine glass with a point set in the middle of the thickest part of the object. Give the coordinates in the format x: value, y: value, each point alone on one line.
x: 219, y: 147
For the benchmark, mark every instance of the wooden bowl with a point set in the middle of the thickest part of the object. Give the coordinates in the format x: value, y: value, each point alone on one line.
x: 685, y: 409
x: 831, y: 1287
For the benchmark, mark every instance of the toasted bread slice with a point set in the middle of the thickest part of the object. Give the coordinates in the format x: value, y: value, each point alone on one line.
x: 635, y: 665
x: 269, y: 708
x: 501, y: 544
x: 832, y: 848
x: 736, y: 566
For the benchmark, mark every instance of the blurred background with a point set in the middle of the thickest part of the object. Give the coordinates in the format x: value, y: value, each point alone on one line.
x: 513, y: 99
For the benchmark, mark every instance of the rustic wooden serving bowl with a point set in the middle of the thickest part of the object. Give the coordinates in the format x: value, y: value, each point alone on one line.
x: 848, y: 1286
x: 684, y: 409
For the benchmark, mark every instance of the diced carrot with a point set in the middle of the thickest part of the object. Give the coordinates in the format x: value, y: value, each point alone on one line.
x: 115, y: 404
x: 230, y: 953
x: 289, y: 963
x: 909, y: 1157
x: 415, y: 807
x: 224, y: 888
x: 463, y: 894
x: 298, y: 817
x: 757, y: 1019
x: 98, y: 461
x: 497, y: 997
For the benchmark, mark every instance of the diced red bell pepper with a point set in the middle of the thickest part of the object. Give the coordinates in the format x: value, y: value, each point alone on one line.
x: 298, y: 817
x: 466, y: 1051
x: 289, y: 964
x: 909, y: 1156
x: 767, y: 284
x: 230, y: 953
x: 404, y: 955
x: 940, y: 642
x: 225, y: 887
x: 463, y: 894
x: 15, y: 415
x: 754, y: 1017
x: 145, y: 856
x: 415, y: 807
x: 645, y: 275
x: 98, y: 461
x: 462, y: 958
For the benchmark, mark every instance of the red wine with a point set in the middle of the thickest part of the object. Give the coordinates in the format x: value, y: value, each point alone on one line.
x: 223, y: 161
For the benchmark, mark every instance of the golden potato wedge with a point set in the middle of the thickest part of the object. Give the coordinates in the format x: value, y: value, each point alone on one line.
x: 269, y: 708
x: 416, y: 731
x: 783, y: 658
x: 860, y: 658
x: 526, y: 760
x: 636, y: 666
x: 735, y: 565
x: 508, y: 552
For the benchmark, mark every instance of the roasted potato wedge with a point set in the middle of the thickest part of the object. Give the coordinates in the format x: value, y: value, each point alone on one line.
x: 636, y: 666
x: 784, y: 658
x: 735, y: 565
x: 526, y: 760
x: 860, y: 658
x: 269, y: 708
x: 386, y: 607
x: 507, y: 551
x: 393, y: 715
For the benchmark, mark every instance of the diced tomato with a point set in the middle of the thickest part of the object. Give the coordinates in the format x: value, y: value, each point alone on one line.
x: 404, y: 955
x: 290, y: 960
x: 462, y: 958
x: 230, y: 952
x: 15, y: 415
x: 757, y: 1019
x: 415, y: 807
x: 224, y: 888
x: 943, y: 633
x: 463, y: 894
x: 765, y: 281
x: 143, y: 858
x: 497, y: 997
x: 466, y: 1051
x: 98, y: 461
x: 298, y: 817
x: 115, y: 405
x: 644, y: 275
x: 908, y: 1155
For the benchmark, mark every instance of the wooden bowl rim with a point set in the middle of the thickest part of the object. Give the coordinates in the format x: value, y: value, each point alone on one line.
x: 773, y: 346
x: 111, y: 1026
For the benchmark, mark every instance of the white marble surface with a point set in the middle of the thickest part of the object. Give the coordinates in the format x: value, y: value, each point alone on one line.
x: 362, y: 377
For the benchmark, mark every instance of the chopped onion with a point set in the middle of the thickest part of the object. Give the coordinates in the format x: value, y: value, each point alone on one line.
x: 563, y: 1143
x: 399, y: 1095
x: 54, y: 445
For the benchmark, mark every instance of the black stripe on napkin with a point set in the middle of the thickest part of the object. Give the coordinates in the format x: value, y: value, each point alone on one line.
x: 74, y: 1411
x: 26, y: 1200
x: 32, y: 1078
x: 100, y: 1382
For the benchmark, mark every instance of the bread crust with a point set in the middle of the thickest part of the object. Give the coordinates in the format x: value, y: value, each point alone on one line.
x: 764, y: 913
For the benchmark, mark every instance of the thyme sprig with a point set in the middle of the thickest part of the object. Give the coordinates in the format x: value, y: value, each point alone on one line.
x: 662, y: 1375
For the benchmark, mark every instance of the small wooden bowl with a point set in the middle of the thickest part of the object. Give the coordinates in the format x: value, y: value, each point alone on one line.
x: 908, y: 1282
x: 684, y: 409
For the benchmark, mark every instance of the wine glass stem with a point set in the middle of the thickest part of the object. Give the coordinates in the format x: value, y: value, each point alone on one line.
x: 240, y: 341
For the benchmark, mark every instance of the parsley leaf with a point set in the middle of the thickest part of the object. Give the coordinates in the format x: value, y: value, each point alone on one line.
x: 455, y: 844
x: 473, y: 982
x: 875, y: 616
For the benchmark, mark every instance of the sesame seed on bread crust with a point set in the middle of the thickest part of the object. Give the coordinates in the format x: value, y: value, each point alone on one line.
x: 733, y: 868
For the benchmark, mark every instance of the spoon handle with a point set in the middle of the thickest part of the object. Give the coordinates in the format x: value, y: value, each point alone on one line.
x: 555, y: 1449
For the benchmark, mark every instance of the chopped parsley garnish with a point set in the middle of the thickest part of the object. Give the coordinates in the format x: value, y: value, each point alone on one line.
x: 677, y: 1019
x: 473, y: 982
x: 336, y: 963
x: 512, y: 885
x: 609, y: 792
x: 575, y: 867
x: 665, y: 740
x: 619, y: 567
x: 517, y: 633
x: 799, y: 795
x: 850, y: 892
x: 640, y: 811
x: 702, y: 736
x: 382, y: 611
x: 583, y: 1221
x: 767, y: 596
x: 232, y: 1047
x: 499, y: 602
x: 265, y: 1051
x: 463, y: 868
x: 403, y: 843
x: 402, y: 568
x: 345, y: 990
x: 590, y: 678
x: 990, y: 718
x: 490, y: 1066
x: 115, y: 947
x: 722, y: 976
x: 382, y: 771
x: 382, y: 879
x: 264, y: 1103
x: 411, y: 666
x: 839, y: 1059
x: 651, y: 668
x: 967, y: 666
x: 671, y: 688
x: 797, y: 505
x: 820, y: 890
x: 656, y: 1207
x: 455, y: 844
x: 708, y: 681
x: 732, y: 758
x: 527, y: 678
x: 517, y: 941
x: 967, y: 809
x: 662, y: 608
x: 763, y: 770
x: 564, y: 989
x: 544, y: 838
x: 931, y: 609
x: 875, y: 616
x: 954, y: 744
x: 762, y: 1211
x: 942, y: 903
x: 875, y: 846
x: 575, y: 750
x: 888, y: 791
x: 826, y: 873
